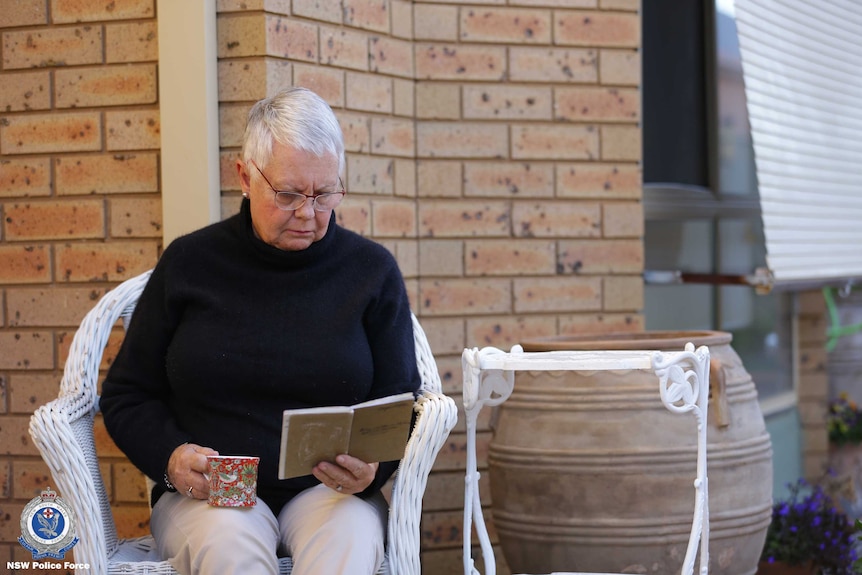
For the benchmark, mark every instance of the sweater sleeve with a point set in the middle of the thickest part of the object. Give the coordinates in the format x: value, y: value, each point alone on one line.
x: 390, y: 332
x: 135, y: 391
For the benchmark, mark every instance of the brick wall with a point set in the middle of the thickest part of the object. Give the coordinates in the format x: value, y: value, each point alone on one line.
x: 81, y: 210
x: 494, y: 149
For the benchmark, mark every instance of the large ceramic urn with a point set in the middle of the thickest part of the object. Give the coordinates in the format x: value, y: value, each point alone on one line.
x: 590, y: 473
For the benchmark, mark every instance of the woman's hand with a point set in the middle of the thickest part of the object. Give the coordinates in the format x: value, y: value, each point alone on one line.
x: 347, y: 475
x: 186, y: 468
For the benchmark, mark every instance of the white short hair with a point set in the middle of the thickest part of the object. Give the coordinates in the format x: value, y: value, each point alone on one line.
x: 294, y: 117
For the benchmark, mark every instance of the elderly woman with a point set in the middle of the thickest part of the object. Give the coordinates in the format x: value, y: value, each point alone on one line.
x: 274, y: 308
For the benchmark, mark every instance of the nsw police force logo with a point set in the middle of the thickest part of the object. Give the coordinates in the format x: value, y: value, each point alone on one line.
x: 47, y: 526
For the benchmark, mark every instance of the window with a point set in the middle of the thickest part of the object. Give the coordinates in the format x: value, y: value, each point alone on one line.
x: 700, y: 191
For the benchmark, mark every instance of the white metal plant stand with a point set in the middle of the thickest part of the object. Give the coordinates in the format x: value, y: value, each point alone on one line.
x: 683, y: 384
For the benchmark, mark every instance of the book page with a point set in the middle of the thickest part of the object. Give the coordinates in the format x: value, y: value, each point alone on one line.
x: 381, y: 428
x: 310, y: 436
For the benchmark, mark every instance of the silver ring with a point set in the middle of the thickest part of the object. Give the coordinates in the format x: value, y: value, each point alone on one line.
x: 339, y: 488
x: 189, y: 492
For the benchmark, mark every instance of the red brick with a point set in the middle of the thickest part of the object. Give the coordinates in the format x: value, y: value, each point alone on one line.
x: 438, y: 179
x: 5, y: 484
x: 393, y: 218
x: 28, y: 391
x: 462, y: 140
x: 132, y: 521
x: 289, y: 38
x: 505, y: 331
x: 621, y: 143
x: 401, y: 19
x: 113, y: 261
x: 435, y: 22
x: 317, y: 10
x: 391, y: 56
x: 590, y: 28
x: 368, y: 14
x: 274, y: 6
x: 368, y: 174
x: 507, y: 102
x: 445, y: 335
x: 560, y: 294
x: 328, y: 83
x: 578, y: 324
x: 133, y: 130
x: 620, y: 67
x: 129, y: 483
x: 559, y: 65
x: 344, y: 48
x: 54, y: 132
x: 61, y: 46
x: 52, y: 220
x: 131, y: 42
x: 593, y: 180
x: 506, y: 25
x: 251, y: 80
x: 556, y: 219
x: 630, y: 5
x: 464, y: 297
x: 393, y: 137
x: 105, y: 86
x: 505, y: 258
x: 508, y: 179
x: 441, y: 258
x: 597, y: 104
x: 24, y: 13
x: 558, y: 142
x: 65, y: 11
x: 355, y: 214
x: 231, y: 124
x: 136, y: 217
x: 460, y: 62
x: 464, y: 218
x: 25, y: 91
x: 622, y: 220
x: 405, y: 178
x: 25, y: 264
x: 25, y: 350
x: 438, y: 101
x: 30, y: 478
x: 369, y: 92
x: 404, y: 98
x: 118, y: 173
x: 227, y: 171
x: 25, y: 177
x: 623, y: 293
x: 10, y: 525
x: 601, y: 256
x: 241, y: 35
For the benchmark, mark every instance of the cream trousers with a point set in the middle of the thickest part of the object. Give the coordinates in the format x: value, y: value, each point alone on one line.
x: 325, y: 532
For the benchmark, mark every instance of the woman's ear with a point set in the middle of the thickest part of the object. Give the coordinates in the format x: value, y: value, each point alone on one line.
x: 244, y: 177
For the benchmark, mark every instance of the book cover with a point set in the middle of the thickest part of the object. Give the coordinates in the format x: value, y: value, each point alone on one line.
x: 375, y: 430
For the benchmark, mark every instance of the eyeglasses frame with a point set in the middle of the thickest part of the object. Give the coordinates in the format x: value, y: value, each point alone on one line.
x: 312, y: 197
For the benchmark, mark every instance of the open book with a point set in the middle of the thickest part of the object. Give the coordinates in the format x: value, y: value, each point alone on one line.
x: 375, y: 430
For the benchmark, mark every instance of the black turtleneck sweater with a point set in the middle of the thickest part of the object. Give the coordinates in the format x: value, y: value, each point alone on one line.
x: 231, y: 331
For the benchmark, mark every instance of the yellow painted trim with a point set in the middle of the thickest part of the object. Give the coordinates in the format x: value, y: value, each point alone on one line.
x: 188, y: 102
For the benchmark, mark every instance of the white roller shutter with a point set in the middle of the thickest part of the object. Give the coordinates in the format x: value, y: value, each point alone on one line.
x: 802, y: 64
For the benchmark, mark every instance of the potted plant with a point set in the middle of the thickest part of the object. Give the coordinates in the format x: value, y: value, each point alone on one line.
x: 808, y: 535
x: 844, y: 425
x: 844, y: 422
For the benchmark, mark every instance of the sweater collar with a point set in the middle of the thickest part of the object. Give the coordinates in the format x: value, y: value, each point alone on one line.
x: 273, y: 254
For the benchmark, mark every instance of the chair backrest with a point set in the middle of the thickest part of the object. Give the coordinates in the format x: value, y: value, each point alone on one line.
x: 68, y: 424
x: 682, y: 384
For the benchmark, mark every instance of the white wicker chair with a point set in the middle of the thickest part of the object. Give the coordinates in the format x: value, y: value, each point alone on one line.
x: 63, y: 432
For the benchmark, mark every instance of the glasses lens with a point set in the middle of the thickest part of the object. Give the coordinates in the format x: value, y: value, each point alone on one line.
x: 327, y: 201
x: 289, y: 200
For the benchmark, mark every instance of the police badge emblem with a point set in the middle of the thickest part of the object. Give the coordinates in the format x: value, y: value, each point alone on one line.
x: 47, y: 526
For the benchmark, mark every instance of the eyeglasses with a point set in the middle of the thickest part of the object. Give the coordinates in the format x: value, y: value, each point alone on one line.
x: 290, y: 201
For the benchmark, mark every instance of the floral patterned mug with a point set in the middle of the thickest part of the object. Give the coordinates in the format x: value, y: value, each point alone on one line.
x: 232, y: 480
